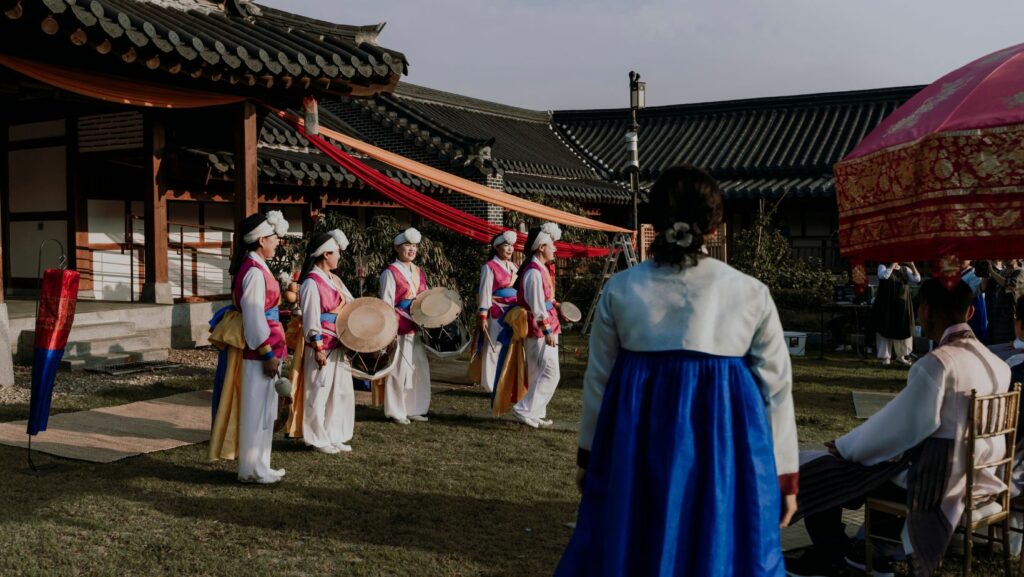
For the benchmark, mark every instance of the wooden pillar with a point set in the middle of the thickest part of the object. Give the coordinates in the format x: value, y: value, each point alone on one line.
x: 157, y: 287
x: 246, y: 177
x: 315, y: 205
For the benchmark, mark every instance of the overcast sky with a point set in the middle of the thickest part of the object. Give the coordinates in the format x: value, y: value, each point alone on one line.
x: 562, y: 54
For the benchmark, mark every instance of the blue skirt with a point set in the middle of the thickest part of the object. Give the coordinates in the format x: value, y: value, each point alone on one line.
x: 681, y: 479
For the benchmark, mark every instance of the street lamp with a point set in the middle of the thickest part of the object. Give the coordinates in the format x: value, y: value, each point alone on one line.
x: 636, y: 102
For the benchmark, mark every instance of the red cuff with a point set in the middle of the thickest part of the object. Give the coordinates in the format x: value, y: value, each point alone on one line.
x: 789, y: 483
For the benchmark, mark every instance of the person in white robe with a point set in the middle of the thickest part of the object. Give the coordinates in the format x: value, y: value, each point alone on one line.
x: 407, y: 388
x: 893, y: 314
x: 328, y: 417
x: 492, y: 303
x: 536, y: 293
x: 934, y: 404
x: 264, y: 336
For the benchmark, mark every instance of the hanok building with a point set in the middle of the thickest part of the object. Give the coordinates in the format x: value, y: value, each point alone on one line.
x: 112, y: 109
x: 763, y: 151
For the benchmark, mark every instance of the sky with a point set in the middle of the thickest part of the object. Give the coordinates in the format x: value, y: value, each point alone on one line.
x: 565, y: 54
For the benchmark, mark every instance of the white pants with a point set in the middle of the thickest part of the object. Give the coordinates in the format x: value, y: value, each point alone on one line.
x: 329, y: 410
x: 542, y: 373
x: 900, y: 347
x: 407, y: 390
x: 256, y: 427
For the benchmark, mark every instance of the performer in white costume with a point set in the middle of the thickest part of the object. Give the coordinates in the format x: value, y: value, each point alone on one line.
x: 257, y: 295
x: 536, y: 294
x: 407, y: 389
x: 329, y: 405
x: 919, y: 435
x: 496, y: 296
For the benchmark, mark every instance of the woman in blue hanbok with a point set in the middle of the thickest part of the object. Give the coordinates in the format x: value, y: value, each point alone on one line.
x: 687, y: 451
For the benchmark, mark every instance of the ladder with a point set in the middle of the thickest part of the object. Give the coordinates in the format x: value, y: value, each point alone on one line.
x: 622, y: 245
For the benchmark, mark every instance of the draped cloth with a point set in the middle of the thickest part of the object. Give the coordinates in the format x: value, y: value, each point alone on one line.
x: 455, y: 183
x: 228, y: 336
x: 110, y: 88
x: 294, y: 338
x: 511, y: 380
x: 55, y: 316
x: 451, y: 218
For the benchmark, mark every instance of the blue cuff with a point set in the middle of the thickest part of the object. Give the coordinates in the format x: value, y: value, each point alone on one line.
x: 268, y: 356
x: 547, y: 332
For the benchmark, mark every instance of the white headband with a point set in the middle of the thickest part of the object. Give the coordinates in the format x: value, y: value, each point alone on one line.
x: 549, y: 234
x: 411, y: 236
x: 274, y: 223
x: 338, y: 241
x: 507, y: 237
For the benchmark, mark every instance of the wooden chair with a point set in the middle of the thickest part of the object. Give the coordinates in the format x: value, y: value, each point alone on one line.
x: 988, y: 416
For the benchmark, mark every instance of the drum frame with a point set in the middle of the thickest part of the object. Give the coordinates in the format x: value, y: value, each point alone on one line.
x: 463, y: 333
x: 381, y: 373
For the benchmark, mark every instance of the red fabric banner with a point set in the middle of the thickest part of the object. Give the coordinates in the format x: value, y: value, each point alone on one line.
x: 57, y: 301
x: 468, y: 225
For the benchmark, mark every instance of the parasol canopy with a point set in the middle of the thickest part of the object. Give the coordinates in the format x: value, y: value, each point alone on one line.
x: 943, y: 175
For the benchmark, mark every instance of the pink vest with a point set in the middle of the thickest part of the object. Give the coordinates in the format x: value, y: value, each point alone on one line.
x: 536, y: 332
x: 271, y: 300
x: 502, y: 280
x: 330, y: 298
x: 403, y: 292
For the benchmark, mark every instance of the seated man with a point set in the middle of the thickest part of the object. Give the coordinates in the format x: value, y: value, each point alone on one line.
x: 908, y: 451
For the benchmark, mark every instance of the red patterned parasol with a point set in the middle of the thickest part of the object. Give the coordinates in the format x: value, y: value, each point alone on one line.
x: 943, y: 175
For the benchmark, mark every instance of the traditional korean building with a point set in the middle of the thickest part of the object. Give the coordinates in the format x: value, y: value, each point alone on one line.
x: 122, y: 119
x: 763, y: 151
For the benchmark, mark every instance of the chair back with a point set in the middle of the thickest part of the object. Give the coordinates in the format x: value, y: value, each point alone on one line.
x: 992, y: 416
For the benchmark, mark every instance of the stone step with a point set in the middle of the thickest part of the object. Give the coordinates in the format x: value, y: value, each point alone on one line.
x: 79, y: 362
x: 123, y: 344
x: 103, y: 330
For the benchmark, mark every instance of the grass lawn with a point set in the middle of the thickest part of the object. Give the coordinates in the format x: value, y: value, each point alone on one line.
x: 456, y: 496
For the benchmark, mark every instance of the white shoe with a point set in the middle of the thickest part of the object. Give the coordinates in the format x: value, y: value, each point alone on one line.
x: 343, y: 448
x: 545, y: 422
x: 279, y: 472
x: 401, y: 421
x: 886, y: 362
x: 525, y: 420
x: 418, y: 418
x: 905, y: 361
x: 260, y: 480
x: 329, y: 449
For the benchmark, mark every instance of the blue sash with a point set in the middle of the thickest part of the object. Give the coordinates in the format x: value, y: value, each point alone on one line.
x: 404, y: 304
x: 505, y: 292
x: 328, y: 317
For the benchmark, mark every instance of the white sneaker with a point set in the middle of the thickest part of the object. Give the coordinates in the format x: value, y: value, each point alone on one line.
x: 329, y: 449
x: 545, y: 422
x: 260, y: 480
x: 343, y: 448
x: 401, y: 421
x: 525, y: 420
x: 418, y: 418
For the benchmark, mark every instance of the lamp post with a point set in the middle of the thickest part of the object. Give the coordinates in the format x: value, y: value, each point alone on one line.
x: 636, y: 102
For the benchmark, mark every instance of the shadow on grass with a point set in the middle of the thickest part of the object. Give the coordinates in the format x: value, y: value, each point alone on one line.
x: 483, y: 530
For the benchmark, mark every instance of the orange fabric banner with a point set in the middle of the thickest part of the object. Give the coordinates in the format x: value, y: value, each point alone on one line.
x: 115, y: 88
x: 457, y: 184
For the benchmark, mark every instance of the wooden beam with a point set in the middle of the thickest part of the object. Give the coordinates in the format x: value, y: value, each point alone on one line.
x: 246, y: 176
x: 156, y: 287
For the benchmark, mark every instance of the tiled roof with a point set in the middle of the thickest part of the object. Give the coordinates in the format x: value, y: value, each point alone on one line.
x: 586, y: 191
x: 467, y: 131
x: 285, y: 157
x: 757, y: 147
x: 233, y: 42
